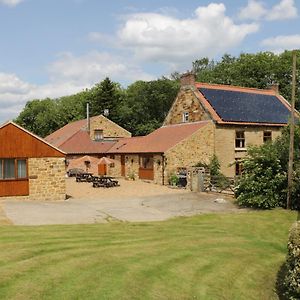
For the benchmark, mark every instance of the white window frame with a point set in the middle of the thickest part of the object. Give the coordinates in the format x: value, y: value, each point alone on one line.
x: 185, y: 117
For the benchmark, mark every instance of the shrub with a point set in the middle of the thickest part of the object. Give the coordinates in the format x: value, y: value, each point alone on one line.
x: 263, y: 183
x: 174, y: 179
x: 214, y: 166
x: 292, y: 278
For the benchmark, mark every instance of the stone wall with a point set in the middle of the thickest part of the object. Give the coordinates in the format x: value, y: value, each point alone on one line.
x: 132, y: 165
x: 115, y: 170
x: 158, y: 162
x: 199, y: 147
x: 225, y: 143
x: 47, y: 178
x: 186, y: 101
x: 110, y: 129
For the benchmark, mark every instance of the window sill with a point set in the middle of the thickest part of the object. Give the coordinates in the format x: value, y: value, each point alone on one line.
x: 14, y: 179
x: 240, y: 149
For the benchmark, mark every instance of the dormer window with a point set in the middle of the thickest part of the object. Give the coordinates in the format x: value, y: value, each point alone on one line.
x: 185, y: 117
x: 98, y: 135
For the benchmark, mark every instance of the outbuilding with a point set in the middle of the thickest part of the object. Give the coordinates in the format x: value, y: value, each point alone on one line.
x: 30, y: 167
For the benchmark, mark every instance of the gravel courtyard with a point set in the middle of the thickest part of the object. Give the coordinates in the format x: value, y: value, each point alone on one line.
x: 133, y: 201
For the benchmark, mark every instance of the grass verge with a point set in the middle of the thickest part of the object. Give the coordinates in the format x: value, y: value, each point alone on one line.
x: 221, y: 256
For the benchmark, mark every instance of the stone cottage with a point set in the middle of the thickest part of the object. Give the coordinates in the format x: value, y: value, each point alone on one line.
x: 30, y: 167
x: 230, y: 119
x: 241, y: 117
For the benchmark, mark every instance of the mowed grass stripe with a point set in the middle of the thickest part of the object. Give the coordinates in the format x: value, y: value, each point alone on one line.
x: 222, y: 256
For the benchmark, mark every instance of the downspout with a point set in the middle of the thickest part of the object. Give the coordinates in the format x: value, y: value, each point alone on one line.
x: 163, y: 169
x: 88, y: 117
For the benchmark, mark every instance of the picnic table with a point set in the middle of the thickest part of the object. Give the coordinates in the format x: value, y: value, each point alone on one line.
x: 84, y: 177
x: 105, y: 181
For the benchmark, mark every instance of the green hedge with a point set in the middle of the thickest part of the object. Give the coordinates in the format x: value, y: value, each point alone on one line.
x: 292, y: 278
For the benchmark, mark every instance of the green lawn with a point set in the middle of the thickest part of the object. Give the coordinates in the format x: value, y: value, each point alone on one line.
x: 228, y: 256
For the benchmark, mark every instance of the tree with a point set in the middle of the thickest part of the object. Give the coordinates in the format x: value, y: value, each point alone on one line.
x: 106, y: 95
x: 264, y: 180
x: 40, y: 117
x: 146, y: 105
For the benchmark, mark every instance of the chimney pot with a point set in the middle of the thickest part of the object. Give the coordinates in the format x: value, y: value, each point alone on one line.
x: 274, y: 87
x: 187, y: 78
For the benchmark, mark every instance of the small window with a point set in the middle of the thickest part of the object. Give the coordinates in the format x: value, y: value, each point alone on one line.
x: 240, y: 139
x: 185, y: 117
x: 9, y: 169
x: 98, y: 134
x: 1, y: 169
x: 21, y: 168
x: 238, y: 167
x: 267, y: 136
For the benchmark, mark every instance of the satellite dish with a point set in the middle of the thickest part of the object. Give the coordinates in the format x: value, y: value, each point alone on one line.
x: 106, y: 112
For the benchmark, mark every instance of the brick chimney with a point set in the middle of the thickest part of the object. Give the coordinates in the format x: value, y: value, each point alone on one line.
x: 274, y: 87
x: 187, y: 78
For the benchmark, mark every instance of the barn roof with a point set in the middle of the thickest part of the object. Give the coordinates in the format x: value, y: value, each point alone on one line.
x: 61, y: 135
x: 230, y: 104
x: 159, y: 141
x: 81, y: 143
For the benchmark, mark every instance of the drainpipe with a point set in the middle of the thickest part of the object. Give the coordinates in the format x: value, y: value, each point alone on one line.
x: 163, y: 169
x: 88, y: 117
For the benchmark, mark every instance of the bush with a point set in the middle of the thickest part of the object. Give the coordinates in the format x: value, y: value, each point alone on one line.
x: 292, y: 278
x: 174, y: 179
x: 263, y: 183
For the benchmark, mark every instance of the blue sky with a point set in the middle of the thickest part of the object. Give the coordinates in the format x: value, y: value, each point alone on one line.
x: 51, y: 48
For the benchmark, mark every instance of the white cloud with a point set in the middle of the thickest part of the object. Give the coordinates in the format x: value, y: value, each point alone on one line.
x: 161, y: 38
x: 282, y: 42
x: 69, y: 74
x: 93, y: 67
x: 11, y: 3
x: 256, y: 10
x: 285, y: 9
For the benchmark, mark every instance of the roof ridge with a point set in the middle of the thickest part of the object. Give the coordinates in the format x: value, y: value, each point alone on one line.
x: 229, y: 86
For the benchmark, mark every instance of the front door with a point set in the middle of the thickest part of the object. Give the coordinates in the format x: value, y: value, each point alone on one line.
x: 122, y: 165
x: 146, y: 170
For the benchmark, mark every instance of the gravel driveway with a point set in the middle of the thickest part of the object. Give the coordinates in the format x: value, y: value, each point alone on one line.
x: 135, y: 202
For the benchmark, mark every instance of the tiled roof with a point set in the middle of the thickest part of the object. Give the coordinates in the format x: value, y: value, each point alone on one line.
x: 58, y: 137
x: 229, y: 104
x: 81, y: 143
x: 159, y: 141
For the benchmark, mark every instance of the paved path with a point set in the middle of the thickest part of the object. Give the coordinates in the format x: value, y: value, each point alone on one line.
x: 131, y: 209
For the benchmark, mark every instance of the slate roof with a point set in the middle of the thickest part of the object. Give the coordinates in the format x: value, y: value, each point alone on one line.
x: 159, y: 141
x: 229, y: 104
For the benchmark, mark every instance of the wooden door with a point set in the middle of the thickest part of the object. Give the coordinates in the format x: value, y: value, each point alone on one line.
x: 122, y: 165
x: 102, y: 169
